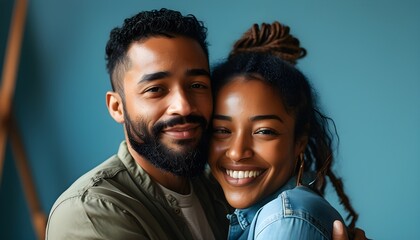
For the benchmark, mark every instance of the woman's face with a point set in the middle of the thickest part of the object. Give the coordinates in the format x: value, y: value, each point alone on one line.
x: 253, y: 148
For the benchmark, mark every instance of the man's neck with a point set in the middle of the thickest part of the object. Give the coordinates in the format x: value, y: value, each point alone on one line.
x: 168, y: 180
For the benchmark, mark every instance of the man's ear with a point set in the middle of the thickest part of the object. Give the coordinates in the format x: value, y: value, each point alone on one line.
x: 115, y: 106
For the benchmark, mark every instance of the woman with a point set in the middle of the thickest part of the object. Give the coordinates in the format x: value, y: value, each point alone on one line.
x: 268, y: 137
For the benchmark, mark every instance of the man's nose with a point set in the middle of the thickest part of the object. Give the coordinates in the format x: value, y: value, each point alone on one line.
x: 180, y: 103
x: 239, y: 148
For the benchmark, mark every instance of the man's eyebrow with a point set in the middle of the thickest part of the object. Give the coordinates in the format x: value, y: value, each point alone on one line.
x: 197, y: 72
x: 163, y: 74
x: 264, y: 117
x: 222, y: 117
x: 153, y: 76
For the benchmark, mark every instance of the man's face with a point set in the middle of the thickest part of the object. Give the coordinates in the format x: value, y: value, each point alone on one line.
x: 168, y: 103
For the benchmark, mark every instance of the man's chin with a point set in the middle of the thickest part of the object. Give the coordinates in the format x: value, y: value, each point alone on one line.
x: 185, y: 159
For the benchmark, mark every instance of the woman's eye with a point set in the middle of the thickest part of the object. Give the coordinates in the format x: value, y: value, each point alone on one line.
x: 220, y: 131
x: 266, y: 132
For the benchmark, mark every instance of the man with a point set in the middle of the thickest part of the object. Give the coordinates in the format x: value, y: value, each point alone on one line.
x: 156, y: 186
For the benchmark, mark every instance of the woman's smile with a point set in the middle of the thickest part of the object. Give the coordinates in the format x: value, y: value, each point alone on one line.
x: 253, y: 148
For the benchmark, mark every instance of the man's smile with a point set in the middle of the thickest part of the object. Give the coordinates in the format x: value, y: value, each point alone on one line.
x: 183, y: 131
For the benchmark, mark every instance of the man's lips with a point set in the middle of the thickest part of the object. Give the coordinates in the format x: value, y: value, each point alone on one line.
x: 183, y: 131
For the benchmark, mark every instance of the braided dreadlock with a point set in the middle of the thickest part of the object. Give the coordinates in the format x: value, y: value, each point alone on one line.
x: 263, y: 50
x: 274, y: 39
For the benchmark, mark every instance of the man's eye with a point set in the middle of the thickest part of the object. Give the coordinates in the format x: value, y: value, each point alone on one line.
x: 154, y: 89
x: 199, y: 85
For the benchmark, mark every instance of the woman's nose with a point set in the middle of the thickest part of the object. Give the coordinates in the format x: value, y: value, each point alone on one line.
x: 239, y: 149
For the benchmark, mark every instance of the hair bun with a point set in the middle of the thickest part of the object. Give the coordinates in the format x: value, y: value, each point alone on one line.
x: 272, y: 38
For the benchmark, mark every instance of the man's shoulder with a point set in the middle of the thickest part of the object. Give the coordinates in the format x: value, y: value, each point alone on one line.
x: 107, y: 169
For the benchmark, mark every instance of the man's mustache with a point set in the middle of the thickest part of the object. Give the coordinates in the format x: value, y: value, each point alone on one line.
x: 159, y: 126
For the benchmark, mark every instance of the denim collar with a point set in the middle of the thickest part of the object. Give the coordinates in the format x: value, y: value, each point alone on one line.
x: 241, y: 219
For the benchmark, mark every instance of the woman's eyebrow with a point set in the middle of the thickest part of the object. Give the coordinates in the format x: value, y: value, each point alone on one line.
x: 264, y: 117
x: 222, y: 117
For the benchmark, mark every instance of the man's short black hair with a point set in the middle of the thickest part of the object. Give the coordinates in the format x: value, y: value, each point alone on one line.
x: 145, y: 24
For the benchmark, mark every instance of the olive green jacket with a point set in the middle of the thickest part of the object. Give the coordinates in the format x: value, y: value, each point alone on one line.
x: 119, y: 200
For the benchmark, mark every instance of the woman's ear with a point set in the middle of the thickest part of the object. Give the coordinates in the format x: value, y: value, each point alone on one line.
x: 115, y: 106
x: 301, y: 145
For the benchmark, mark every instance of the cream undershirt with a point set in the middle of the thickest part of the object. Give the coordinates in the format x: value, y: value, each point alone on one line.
x: 191, y: 209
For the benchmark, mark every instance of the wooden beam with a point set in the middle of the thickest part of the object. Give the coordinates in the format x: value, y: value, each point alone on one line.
x: 10, y: 68
x: 8, y: 126
x: 39, y: 218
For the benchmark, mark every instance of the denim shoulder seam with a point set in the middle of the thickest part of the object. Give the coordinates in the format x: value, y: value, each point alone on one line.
x: 289, y: 212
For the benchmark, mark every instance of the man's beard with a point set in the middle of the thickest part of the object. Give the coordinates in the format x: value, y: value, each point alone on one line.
x: 190, y: 161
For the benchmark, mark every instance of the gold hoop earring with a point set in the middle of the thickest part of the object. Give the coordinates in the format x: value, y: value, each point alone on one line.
x: 301, y: 168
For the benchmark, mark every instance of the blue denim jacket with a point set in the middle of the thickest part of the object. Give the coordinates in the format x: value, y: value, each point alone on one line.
x: 290, y: 213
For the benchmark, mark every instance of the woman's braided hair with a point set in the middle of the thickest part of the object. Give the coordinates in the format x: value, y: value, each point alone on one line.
x: 272, y: 38
x: 275, y: 39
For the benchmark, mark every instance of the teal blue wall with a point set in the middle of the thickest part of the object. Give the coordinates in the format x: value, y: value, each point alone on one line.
x: 363, y: 58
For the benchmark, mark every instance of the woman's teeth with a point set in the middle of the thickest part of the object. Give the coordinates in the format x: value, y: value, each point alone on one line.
x: 243, y: 174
